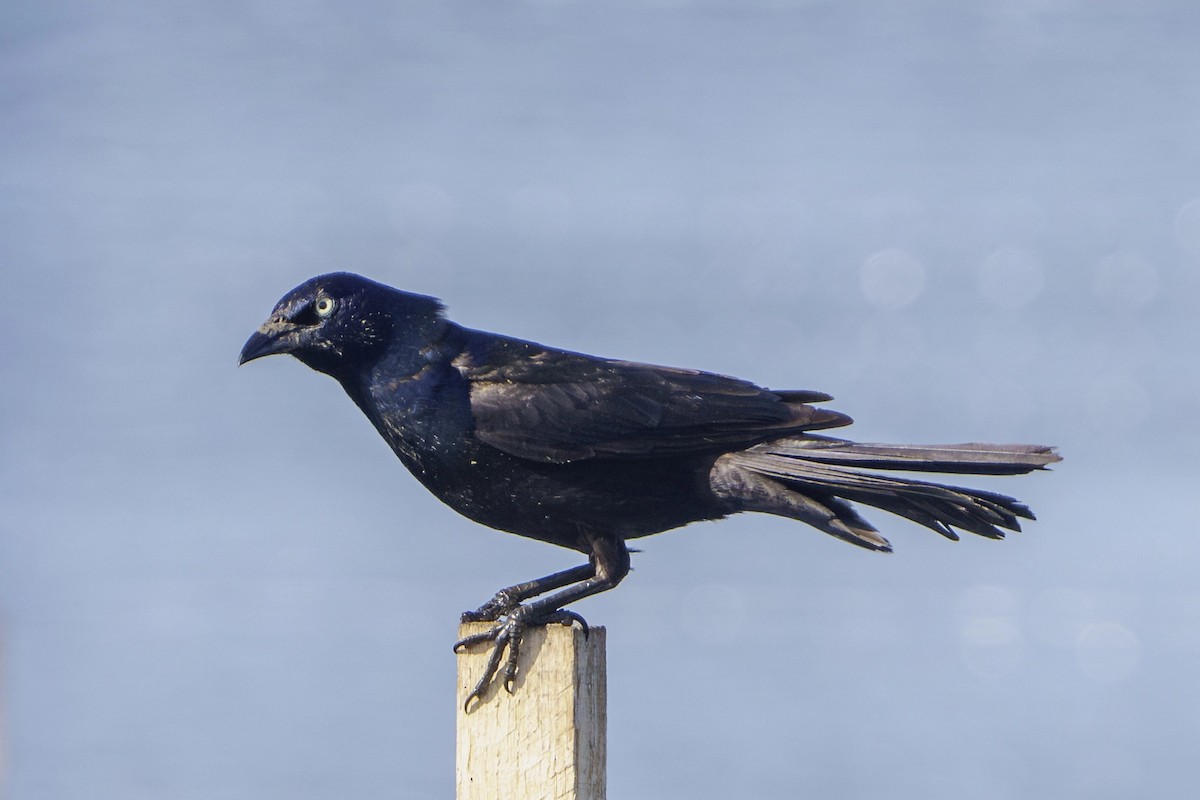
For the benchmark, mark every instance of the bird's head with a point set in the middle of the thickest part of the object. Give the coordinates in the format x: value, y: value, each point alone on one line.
x: 340, y: 322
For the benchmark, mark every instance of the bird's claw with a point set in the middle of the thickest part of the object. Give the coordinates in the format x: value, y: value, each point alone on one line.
x: 564, y: 617
x: 507, y: 634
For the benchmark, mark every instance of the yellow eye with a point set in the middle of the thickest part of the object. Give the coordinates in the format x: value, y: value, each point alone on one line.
x: 323, y: 306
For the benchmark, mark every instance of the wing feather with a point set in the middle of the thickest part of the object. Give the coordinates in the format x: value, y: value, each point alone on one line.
x: 556, y: 406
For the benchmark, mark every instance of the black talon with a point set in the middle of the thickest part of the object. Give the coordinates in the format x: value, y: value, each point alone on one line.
x: 475, y: 638
x: 488, y: 672
x: 570, y: 617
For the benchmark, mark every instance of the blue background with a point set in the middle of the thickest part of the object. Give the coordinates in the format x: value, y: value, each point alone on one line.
x: 968, y: 221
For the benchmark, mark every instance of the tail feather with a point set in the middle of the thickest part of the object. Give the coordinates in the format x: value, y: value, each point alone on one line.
x: 815, y: 479
x: 971, y: 458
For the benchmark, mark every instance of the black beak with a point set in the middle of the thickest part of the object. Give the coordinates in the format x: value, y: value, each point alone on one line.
x: 274, y: 337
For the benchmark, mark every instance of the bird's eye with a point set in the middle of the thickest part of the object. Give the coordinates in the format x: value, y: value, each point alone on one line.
x: 323, y: 306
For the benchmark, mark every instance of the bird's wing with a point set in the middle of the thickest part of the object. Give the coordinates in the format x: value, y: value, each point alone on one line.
x: 555, y: 406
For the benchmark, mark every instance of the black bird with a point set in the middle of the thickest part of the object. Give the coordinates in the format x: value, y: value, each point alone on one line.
x: 588, y: 452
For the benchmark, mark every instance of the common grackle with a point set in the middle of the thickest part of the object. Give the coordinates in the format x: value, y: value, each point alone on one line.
x: 588, y: 452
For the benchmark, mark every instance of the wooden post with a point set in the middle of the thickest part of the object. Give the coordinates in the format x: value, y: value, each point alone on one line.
x: 547, y: 740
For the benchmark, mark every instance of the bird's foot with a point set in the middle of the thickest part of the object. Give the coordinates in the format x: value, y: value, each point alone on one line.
x: 493, y: 609
x: 507, y: 634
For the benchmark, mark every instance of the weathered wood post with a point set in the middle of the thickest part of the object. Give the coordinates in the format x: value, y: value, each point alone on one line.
x: 548, y: 740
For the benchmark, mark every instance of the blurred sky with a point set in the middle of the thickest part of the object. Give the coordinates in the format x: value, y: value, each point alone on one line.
x: 968, y: 221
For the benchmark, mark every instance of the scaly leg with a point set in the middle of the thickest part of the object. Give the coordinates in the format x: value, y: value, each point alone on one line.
x: 509, y: 598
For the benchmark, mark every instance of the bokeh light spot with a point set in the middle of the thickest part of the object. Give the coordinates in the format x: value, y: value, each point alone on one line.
x: 991, y: 646
x: 1010, y: 277
x: 990, y: 642
x: 892, y: 279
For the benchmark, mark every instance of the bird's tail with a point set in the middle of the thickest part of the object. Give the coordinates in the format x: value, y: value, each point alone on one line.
x: 814, y: 479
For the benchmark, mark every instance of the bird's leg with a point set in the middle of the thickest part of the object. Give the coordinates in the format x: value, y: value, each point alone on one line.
x: 609, y: 564
x: 509, y: 598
